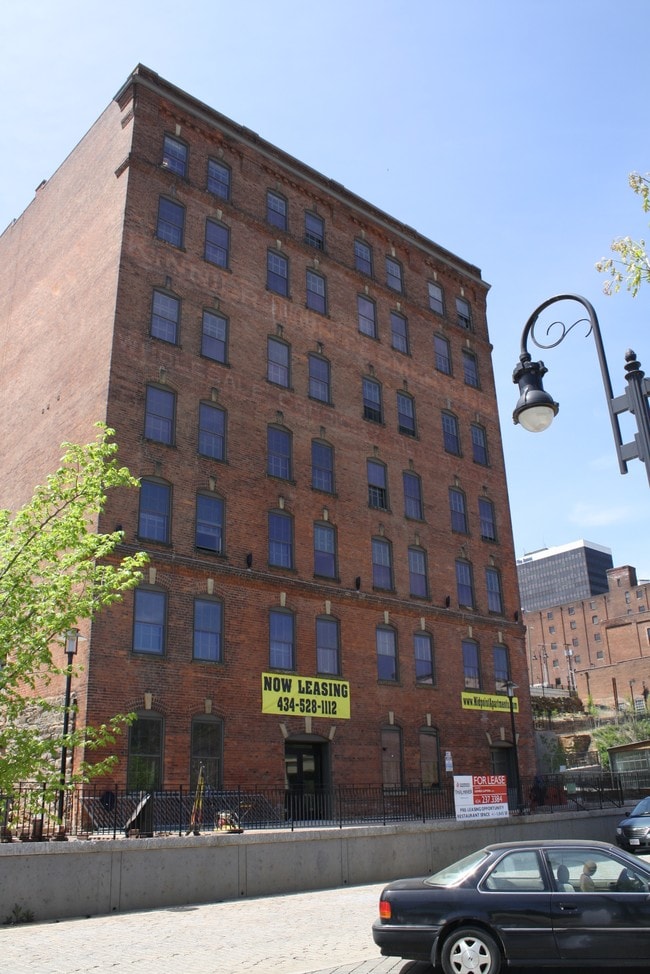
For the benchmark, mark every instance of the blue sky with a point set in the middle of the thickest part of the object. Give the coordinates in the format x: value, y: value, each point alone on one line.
x: 504, y: 130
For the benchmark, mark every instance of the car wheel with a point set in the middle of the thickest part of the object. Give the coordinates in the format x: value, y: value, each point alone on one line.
x: 470, y: 951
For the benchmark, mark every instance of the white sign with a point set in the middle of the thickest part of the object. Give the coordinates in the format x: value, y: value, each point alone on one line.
x: 478, y: 796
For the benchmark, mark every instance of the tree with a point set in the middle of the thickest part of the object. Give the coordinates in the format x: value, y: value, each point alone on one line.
x: 56, y: 570
x: 631, y: 265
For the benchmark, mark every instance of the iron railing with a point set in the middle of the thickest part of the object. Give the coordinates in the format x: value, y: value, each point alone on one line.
x: 94, y: 813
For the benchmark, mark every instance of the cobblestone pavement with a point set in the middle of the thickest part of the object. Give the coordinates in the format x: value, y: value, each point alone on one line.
x: 327, y: 932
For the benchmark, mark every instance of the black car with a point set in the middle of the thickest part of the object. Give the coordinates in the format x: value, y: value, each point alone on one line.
x: 633, y: 832
x: 527, y: 904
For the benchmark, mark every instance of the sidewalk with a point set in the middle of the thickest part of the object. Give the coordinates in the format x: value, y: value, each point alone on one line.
x: 327, y: 932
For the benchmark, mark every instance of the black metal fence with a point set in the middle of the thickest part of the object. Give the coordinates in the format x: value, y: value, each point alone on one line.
x: 93, y: 813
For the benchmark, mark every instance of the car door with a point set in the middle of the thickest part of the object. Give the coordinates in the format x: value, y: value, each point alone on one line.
x: 610, y: 921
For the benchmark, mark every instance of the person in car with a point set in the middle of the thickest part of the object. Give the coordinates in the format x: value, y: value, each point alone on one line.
x: 586, y: 882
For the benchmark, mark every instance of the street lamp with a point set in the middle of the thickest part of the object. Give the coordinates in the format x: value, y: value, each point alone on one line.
x: 536, y: 408
x: 71, y: 643
x: 510, y: 688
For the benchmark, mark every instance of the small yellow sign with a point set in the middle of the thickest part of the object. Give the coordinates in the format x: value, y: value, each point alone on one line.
x: 289, y: 695
x: 488, y: 701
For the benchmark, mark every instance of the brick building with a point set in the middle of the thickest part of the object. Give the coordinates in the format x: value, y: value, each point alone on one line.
x: 598, y: 646
x: 304, y: 386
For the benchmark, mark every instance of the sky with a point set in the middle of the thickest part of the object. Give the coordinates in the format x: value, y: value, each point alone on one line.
x: 503, y: 130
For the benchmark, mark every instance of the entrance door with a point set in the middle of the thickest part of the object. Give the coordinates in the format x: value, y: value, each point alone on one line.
x: 305, y: 771
x: 503, y: 762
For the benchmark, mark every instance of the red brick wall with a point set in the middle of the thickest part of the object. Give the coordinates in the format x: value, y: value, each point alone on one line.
x: 117, y: 680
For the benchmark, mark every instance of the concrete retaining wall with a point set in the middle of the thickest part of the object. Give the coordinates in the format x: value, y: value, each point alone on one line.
x: 88, y: 878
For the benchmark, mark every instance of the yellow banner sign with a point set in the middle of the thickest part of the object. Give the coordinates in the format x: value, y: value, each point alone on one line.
x: 487, y: 701
x: 305, y: 696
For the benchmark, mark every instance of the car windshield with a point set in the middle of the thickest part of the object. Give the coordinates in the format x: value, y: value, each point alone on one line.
x: 453, y: 874
x: 643, y: 808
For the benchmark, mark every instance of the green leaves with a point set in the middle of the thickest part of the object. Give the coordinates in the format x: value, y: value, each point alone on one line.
x: 56, y: 570
x: 630, y: 267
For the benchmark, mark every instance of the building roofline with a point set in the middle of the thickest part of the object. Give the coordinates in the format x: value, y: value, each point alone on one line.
x: 142, y: 75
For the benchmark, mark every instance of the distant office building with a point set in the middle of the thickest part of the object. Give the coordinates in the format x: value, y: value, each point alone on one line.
x: 566, y: 573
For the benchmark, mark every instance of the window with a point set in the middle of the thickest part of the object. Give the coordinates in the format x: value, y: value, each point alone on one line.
x: 471, y: 671
x: 324, y: 550
x: 209, y: 523
x: 418, y: 585
x: 571, y: 610
x: 155, y: 511
x: 322, y: 466
x: 494, y: 596
x: 366, y: 316
x: 436, y: 298
x: 327, y: 646
x: 393, y: 274
x: 208, y: 630
x: 149, y: 621
x: 160, y: 408
x: 372, y: 401
x: 219, y: 179
x: 278, y: 443
x: 314, y: 231
x: 429, y: 757
x: 464, y: 584
x: 280, y: 540
x: 501, y: 666
x: 319, y: 378
x: 212, y: 431
x: 573, y: 624
x: 405, y: 414
x: 276, y: 210
x: 399, y: 332
x: 377, y: 485
x: 281, y: 640
x: 470, y: 369
x: 316, y: 294
x: 486, y: 518
x: 594, y: 620
x: 207, y: 748
x: 412, y: 496
x: 278, y: 362
x: 442, y: 354
x: 463, y: 313
x: 391, y: 758
x: 277, y: 273
x: 597, y: 637
x: 175, y: 155
x: 165, y: 315
x: 217, y: 243
x: 363, y: 257
x: 423, y: 652
x: 144, y: 771
x: 214, y: 336
x: 450, y: 436
x: 479, y: 445
x: 171, y: 222
x: 382, y: 564
x: 457, y: 510
x: 386, y: 642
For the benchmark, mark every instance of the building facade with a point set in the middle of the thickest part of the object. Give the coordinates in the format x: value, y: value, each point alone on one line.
x: 563, y: 573
x: 598, y: 647
x: 304, y: 387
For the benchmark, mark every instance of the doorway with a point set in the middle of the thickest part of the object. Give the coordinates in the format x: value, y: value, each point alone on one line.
x: 306, y: 775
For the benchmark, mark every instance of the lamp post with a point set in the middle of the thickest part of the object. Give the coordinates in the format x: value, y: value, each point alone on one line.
x: 71, y: 643
x: 510, y: 688
x: 536, y: 408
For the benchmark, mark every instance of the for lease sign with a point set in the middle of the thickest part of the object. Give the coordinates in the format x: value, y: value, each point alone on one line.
x: 480, y: 796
